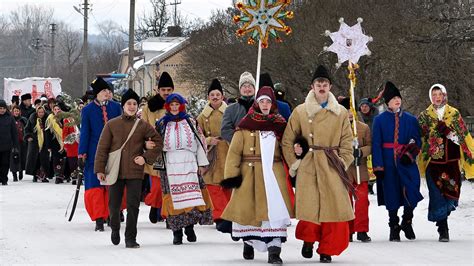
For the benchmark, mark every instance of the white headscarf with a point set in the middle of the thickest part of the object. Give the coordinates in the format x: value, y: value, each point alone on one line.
x: 439, y: 109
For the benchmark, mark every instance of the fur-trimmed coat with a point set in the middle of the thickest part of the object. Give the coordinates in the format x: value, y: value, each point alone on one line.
x: 151, y: 113
x: 248, y: 205
x: 210, y: 121
x: 320, y: 194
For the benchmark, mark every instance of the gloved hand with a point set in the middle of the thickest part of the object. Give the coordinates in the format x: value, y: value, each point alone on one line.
x: 379, y: 174
x: 81, y: 162
x: 405, y: 159
x: 357, y: 157
x: 443, y: 128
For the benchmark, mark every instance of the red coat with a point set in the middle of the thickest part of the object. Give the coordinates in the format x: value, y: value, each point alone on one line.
x: 71, y: 148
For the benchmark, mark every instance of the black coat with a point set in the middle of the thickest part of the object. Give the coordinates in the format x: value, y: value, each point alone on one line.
x: 8, y: 133
x: 26, y: 112
x: 32, y: 164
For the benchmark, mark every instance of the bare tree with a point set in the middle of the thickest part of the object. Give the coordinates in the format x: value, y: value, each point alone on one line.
x: 154, y: 23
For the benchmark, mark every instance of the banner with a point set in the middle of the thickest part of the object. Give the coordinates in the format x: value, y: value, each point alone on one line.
x: 36, y: 86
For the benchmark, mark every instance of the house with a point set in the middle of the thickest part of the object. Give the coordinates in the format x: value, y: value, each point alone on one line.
x: 153, y: 56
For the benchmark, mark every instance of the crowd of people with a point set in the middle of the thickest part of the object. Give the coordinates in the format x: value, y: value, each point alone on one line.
x: 250, y: 166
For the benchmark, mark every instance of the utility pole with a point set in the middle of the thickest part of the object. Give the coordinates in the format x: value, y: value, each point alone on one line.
x: 53, y: 28
x: 131, y: 37
x: 175, y: 4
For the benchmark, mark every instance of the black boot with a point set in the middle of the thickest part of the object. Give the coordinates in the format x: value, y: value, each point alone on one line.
x: 351, y: 237
x: 323, y: 258
x: 408, y: 229
x: 363, y: 237
x: 15, y: 177
x: 307, y: 250
x: 99, y: 225
x: 178, y: 237
x: 153, y: 216
x: 58, y: 180
x: 132, y: 244
x: 45, y: 180
x: 122, y: 217
x: 443, y: 230
x: 190, y: 234
x: 35, y: 178
x: 248, y: 252
x: 371, y: 188
x: 115, y: 237
x: 274, y: 255
x: 395, y: 233
x: 20, y: 175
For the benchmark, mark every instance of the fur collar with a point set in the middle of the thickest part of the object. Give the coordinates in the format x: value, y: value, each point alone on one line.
x: 208, y: 109
x: 313, y: 107
x: 246, y: 104
x: 156, y: 103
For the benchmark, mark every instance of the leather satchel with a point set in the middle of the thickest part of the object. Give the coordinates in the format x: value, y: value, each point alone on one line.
x: 112, y: 167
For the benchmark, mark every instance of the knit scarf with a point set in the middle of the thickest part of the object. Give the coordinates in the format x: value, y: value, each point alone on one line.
x: 254, y: 120
x: 53, y: 125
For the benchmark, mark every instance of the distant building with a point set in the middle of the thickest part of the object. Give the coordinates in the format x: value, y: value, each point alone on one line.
x: 153, y: 56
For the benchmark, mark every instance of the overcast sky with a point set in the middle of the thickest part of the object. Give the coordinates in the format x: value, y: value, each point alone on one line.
x: 116, y: 10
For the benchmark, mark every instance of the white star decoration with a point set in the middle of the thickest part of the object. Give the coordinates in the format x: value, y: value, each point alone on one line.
x: 349, y: 43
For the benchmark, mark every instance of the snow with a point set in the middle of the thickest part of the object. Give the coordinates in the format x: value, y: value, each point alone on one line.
x: 34, y: 230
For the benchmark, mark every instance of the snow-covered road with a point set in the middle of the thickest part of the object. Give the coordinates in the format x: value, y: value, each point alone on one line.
x: 34, y: 230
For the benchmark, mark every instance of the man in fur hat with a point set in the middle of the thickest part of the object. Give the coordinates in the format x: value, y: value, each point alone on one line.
x: 93, y: 118
x: 210, y: 121
x: 152, y: 112
x: 395, y: 144
x: 317, y: 145
x: 25, y: 106
x: 447, y: 146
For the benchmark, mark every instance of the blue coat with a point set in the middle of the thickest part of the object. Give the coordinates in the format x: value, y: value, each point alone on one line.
x: 92, y: 124
x: 401, y: 183
x: 284, y: 109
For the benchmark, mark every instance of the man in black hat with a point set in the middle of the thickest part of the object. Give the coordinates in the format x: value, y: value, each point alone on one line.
x: 396, y: 142
x: 93, y: 118
x: 25, y: 106
x: 210, y: 121
x: 15, y: 100
x: 152, y: 112
x: 317, y: 145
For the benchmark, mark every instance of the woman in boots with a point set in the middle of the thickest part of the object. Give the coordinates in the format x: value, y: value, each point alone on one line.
x: 18, y: 156
x: 447, y: 145
x: 186, y: 200
x: 37, y: 163
x: 132, y: 164
x: 260, y: 208
x: 54, y: 136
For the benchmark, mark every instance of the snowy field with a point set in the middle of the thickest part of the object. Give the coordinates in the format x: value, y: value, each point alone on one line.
x: 34, y: 230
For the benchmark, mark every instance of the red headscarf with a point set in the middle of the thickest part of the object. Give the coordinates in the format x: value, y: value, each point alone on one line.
x: 255, y: 120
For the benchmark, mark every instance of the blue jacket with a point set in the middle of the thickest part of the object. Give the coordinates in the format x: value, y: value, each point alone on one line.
x: 401, y: 183
x: 284, y: 109
x: 92, y: 124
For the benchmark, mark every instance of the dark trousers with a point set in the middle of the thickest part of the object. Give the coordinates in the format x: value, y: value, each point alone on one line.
x: 134, y: 190
x: 4, y: 166
x: 393, y: 216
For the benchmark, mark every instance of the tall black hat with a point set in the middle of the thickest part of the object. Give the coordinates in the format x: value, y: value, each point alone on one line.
x: 99, y: 84
x: 390, y: 91
x: 265, y: 80
x: 129, y: 94
x: 165, y: 81
x: 215, y: 85
x: 321, y: 72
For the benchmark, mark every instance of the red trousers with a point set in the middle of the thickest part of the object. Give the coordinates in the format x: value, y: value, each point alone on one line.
x: 219, y: 197
x: 154, y: 198
x: 361, y: 208
x: 96, y: 201
x: 333, y: 237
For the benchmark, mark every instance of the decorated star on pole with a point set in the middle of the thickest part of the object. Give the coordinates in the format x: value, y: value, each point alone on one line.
x: 262, y: 19
x: 349, y: 43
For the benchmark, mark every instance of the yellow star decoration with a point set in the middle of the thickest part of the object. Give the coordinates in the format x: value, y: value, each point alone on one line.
x: 263, y: 18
